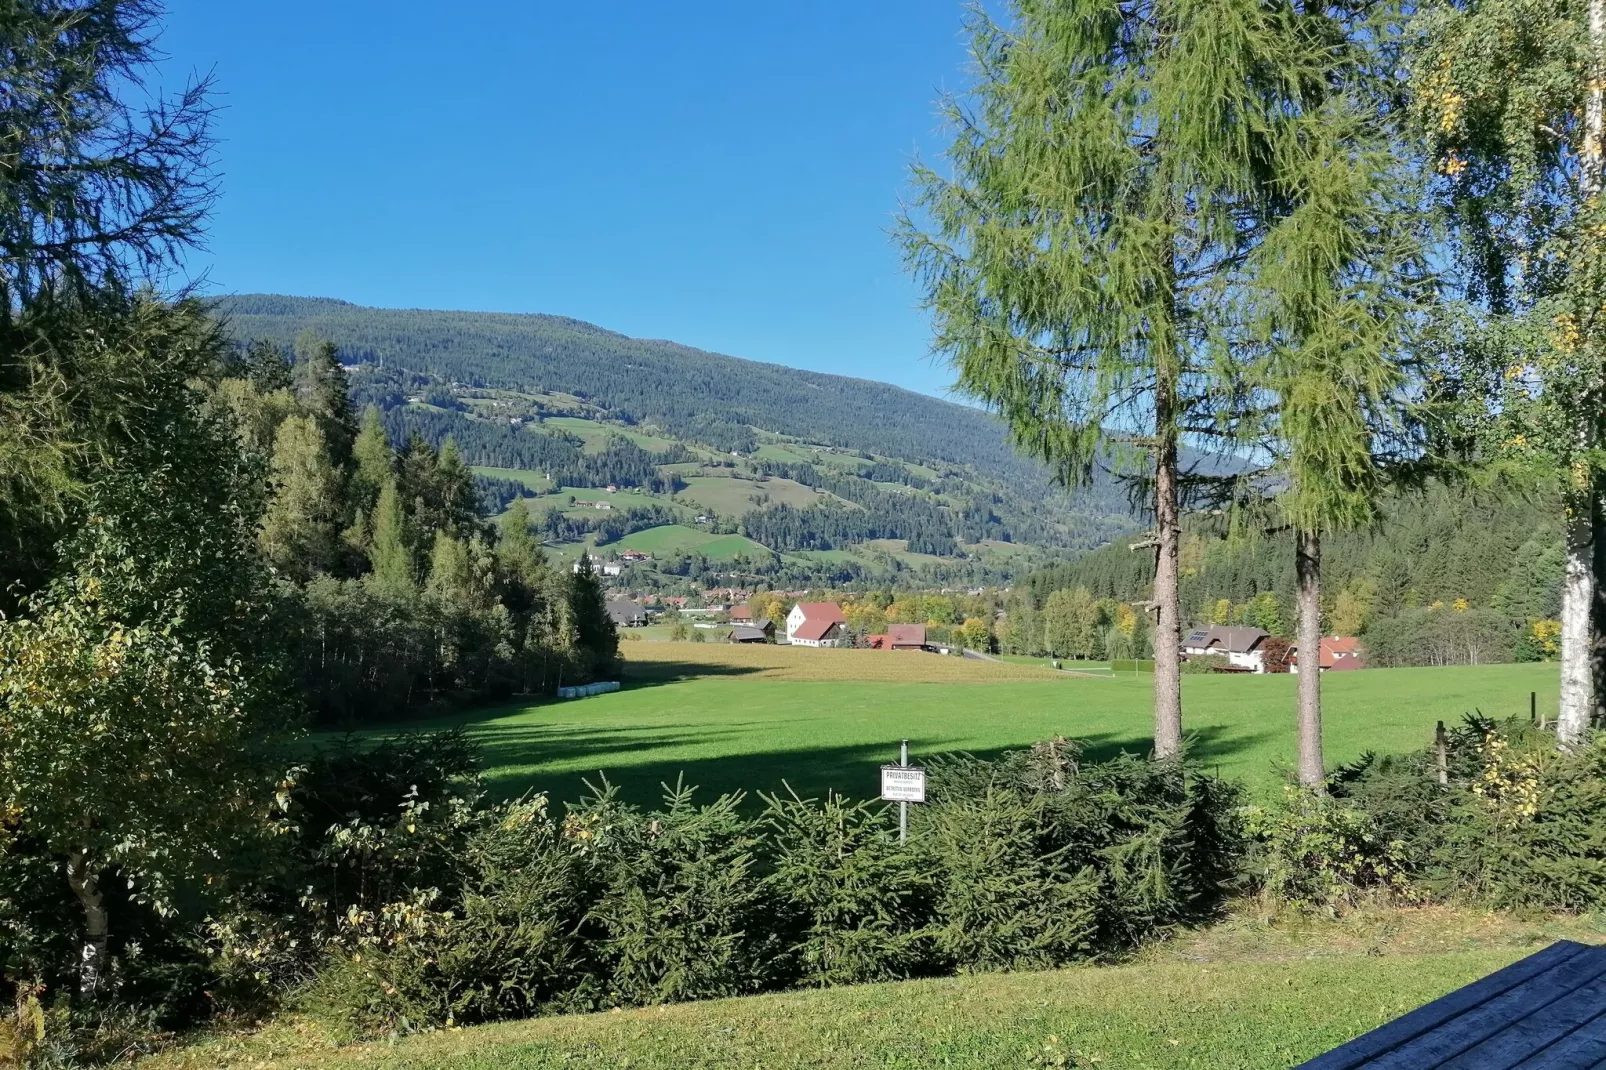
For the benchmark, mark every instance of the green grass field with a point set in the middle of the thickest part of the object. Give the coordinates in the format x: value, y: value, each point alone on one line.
x: 733, y: 496
x: 748, y: 718
x: 596, y: 435
x: 1240, y: 996
x: 675, y: 538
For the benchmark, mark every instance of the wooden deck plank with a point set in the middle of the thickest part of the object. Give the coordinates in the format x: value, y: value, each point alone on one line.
x: 1532, y: 1035
x: 1478, y: 1024
x: 1583, y: 1049
x: 1402, y: 1030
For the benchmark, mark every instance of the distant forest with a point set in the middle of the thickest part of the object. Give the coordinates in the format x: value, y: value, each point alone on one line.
x: 1447, y: 576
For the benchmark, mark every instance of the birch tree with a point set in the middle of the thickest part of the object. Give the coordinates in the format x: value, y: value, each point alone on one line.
x: 1511, y: 95
x: 1080, y: 260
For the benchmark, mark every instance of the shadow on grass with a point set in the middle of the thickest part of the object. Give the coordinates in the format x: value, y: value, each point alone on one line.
x: 619, y: 757
x: 657, y: 673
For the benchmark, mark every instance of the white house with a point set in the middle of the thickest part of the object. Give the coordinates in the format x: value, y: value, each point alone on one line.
x: 1240, y: 646
x: 815, y: 624
x: 600, y: 567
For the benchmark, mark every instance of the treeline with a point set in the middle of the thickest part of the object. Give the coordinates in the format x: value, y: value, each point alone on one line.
x: 401, y: 594
x: 498, y: 445
x: 1447, y: 576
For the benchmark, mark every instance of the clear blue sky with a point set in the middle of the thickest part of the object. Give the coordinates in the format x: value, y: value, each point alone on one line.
x: 722, y: 174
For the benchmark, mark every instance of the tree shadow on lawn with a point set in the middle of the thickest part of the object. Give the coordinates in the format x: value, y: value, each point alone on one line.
x: 853, y: 770
x: 638, y: 674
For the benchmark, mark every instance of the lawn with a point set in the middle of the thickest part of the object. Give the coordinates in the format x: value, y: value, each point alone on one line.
x: 747, y: 718
x: 1245, y: 995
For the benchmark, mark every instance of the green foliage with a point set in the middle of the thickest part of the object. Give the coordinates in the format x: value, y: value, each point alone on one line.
x: 1316, y: 851
x: 1206, y: 663
x: 682, y: 914
x: 857, y: 901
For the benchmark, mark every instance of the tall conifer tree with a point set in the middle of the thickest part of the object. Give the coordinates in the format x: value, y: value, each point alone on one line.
x: 1106, y: 189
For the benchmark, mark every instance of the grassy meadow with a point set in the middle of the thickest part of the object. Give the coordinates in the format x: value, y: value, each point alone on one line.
x: 750, y: 717
x: 1243, y: 995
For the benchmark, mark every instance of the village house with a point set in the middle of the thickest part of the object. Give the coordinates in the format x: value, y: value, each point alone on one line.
x: 815, y: 624
x: 626, y: 614
x: 599, y: 566
x: 1240, y: 646
x: 1339, y: 653
x: 634, y: 555
x: 900, y: 637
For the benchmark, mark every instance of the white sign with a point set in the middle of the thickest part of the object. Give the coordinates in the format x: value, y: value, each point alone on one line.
x: 903, y: 783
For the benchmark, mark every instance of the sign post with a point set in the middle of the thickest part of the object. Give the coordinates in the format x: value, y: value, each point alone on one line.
x: 903, y: 784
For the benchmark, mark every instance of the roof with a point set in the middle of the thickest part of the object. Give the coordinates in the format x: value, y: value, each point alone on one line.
x: 742, y: 633
x: 906, y: 634
x: 1337, y: 652
x: 878, y: 642
x: 741, y: 613
x: 1546, y: 1012
x: 622, y: 612
x: 1228, y: 640
x: 828, y: 611
x: 814, y: 629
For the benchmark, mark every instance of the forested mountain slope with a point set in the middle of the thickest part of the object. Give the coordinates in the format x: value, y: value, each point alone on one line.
x: 799, y: 463
x: 686, y: 392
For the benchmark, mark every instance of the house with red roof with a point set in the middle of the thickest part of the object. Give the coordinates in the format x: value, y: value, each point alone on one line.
x: 1338, y: 653
x: 815, y: 624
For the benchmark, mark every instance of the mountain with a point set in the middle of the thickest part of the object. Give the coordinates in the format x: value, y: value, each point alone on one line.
x: 836, y: 463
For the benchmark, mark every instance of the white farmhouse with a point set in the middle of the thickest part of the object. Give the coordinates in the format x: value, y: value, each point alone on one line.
x: 815, y: 624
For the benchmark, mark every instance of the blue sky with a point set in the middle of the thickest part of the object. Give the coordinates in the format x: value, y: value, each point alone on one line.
x: 722, y: 174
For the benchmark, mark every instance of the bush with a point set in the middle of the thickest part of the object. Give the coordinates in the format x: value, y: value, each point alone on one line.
x: 681, y: 915
x: 854, y: 902
x: 1205, y: 663
x: 1519, y: 823
x: 1317, y: 851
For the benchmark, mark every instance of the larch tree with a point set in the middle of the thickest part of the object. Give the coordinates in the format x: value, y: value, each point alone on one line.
x: 1080, y: 261
x: 1335, y: 292
x: 1511, y: 95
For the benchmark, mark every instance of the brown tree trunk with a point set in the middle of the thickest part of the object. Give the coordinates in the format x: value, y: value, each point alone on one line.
x: 1308, y: 574
x: 1167, y: 598
x: 85, y: 886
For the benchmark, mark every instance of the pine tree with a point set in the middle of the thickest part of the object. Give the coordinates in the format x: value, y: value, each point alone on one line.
x: 375, y: 461
x: 298, y: 532
x: 319, y: 384
x: 1108, y: 165
x: 390, y: 555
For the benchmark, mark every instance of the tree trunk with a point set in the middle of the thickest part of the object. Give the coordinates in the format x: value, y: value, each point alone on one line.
x: 1577, y: 703
x: 1168, y: 632
x: 1583, y: 658
x: 86, y: 887
x: 1308, y: 572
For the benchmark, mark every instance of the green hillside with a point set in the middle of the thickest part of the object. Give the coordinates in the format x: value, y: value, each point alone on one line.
x: 842, y: 477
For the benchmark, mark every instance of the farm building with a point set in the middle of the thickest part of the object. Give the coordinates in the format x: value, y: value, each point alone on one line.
x: 815, y: 624
x: 747, y: 633
x: 1240, y: 646
x: 1338, y: 654
x: 901, y: 637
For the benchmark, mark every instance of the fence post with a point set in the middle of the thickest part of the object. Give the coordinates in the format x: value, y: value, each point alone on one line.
x: 1441, y: 744
x: 1533, y: 707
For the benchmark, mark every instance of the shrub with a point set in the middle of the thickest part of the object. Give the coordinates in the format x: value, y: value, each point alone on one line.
x: 1317, y: 851
x: 681, y: 915
x: 1206, y: 663
x: 855, y: 903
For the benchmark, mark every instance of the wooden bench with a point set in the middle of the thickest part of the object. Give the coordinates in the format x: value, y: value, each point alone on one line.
x: 1547, y: 1012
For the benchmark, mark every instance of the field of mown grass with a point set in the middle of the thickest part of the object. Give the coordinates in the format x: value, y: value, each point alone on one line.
x: 747, y: 718
x: 1243, y: 995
